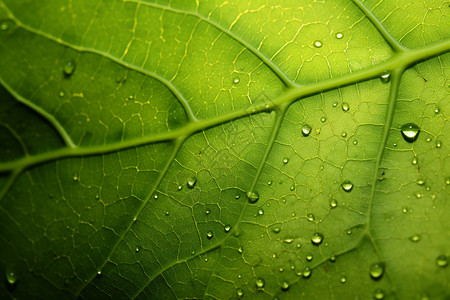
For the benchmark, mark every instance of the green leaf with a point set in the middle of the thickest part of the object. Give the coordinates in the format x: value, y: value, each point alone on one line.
x: 224, y: 149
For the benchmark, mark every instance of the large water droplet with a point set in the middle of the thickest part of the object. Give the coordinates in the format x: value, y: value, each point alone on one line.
x: 347, y: 186
x: 306, y: 272
x: 378, y: 294
x: 385, y: 77
x: 376, y: 270
x: 191, y: 182
x: 317, y: 239
x: 442, y: 261
x: 306, y: 130
x: 333, y: 203
x: 69, y: 67
x: 410, y: 132
x: 11, y: 275
x: 309, y: 257
x: 240, y: 293
x: 318, y: 44
x: 253, y: 197
x: 209, y: 234
x: 345, y: 106
x: 260, y: 283
x: 285, y: 286
x: 227, y: 228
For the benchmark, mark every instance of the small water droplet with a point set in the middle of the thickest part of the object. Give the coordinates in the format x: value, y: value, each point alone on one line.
x: 75, y: 177
x: 227, y: 228
x: 410, y: 132
x: 209, y: 234
x: 376, y: 270
x: 333, y: 203
x: 276, y: 229
x: 207, y: 211
x: 404, y: 209
x: 419, y: 195
x: 137, y: 249
x: 240, y: 249
x: 318, y: 44
x: 61, y: 94
x: 317, y: 239
x: 339, y: 35
x: 11, y: 275
x: 442, y: 261
x: 298, y: 245
x: 155, y: 196
x: 420, y: 181
x: 378, y: 294
x: 240, y: 293
x: 447, y: 180
x: 385, y: 77
x: 415, y: 238
x: 349, y: 232
x: 99, y: 272
x: 415, y: 160
x: 237, y: 196
x: 253, y: 197
x: 347, y: 186
x: 180, y: 187
x: 236, y: 80
x: 260, y: 283
x: 192, y: 252
x: 343, y: 279
x: 306, y: 272
x: 345, y: 106
x: 437, y: 110
x: 310, y: 217
x: 285, y: 286
x: 288, y: 241
x: 167, y: 213
x: 4, y: 26
x: 355, y: 142
x: 285, y: 160
x: 306, y: 130
x: 344, y: 134
x: 281, y: 269
x: 438, y: 144
x: 69, y: 67
x: 260, y: 212
x: 333, y: 258
x: 323, y: 119
x: 309, y: 257
x: 191, y: 182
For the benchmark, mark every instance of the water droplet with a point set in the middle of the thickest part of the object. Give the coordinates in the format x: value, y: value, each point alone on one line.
x: 345, y: 106
x: 207, y: 211
x: 240, y: 293
x: 97, y: 196
x: 260, y: 283
x: 404, y: 209
x: 11, y: 275
x: 209, y: 234
x: 155, y: 196
x: 347, y: 186
x: 180, y: 187
x: 69, y: 67
x: 438, y: 144
x: 240, y: 249
x: 285, y: 160
x: 288, y: 241
x: 317, y: 239
x: 99, y: 272
x: 306, y: 272
x: 309, y: 257
x: 333, y: 203
x: 415, y: 238
x: 420, y: 181
x: 310, y: 217
x: 318, y: 44
x: 376, y: 270
x: 385, y: 77
x: 437, y: 110
x: 344, y: 134
x: 343, y: 279
x: 237, y: 196
x: 419, y: 195
x: 442, y: 261
x: 192, y: 252
x: 61, y: 94
x: 355, y: 142
x: 167, y: 213
x: 323, y: 119
x: 378, y: 294
x: 137, y: 249
x: 349, y: 232
x: 4, y: 26
x: 410, y: 132
x: 285, y: 286
x: 227, y: 228
x: 253, y: 197
x: 281, y: 269
x: 75, y: 177
x: 236, y: 80
x: 339, y: 35
x: 333, y: 258
x: 191, y: 182
x: 415, y: 160
x: 306, y: 130
x: 447, y: 180
x: 298, y: 245
x: 260, y: 212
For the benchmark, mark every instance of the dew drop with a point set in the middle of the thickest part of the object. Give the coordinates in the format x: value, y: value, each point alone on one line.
x: 167, y: 213
x: 317, y: 239
x: 345, y: 106
x: 285, y: 160
x: 11, y: 275
x: 260, y: 212
x: 339, y: 35
x: 260, y: 283
x: 343, y: 279
x: 306, y: 130
x: 288, y: 241
x: 415, y: 238
x: 333, y: 203
x: 191, y: 182
x: 378, y: 294
x: 240, y: 249
x: 137, y: 249
x: 75, y: 177
x: 309, y: 257
x: 415, y: 160
x: 227, y: 228
x: 318, y: 44
x: 420, y: 181
x: 298, y: 245
x: 253, y: 197
x: 285, y: 286
x: 385, y: 77
x: 237, y: 196
x: 447, y: 180
x: 69, y: 67
x: 240, y: 293
x: 99, y: 272
x: 410, y: 132
x: 180, y: 187
x: 236, y: 80
x: 404, y: 209
x: 155, y: 196
x: 281, y: 269
x: 276, y: 229
x: 442, y: 261
x: 61, y: 94
x: 306, y: 272
x: 207, y: 211
x: 355, y: 142
x: 344, y: 134
x: 4, y: 26
x: 347, y: 186
x: 335, y: 104
x: 209, y: 234
x: 310, y: 217
x: 323, y: 119
x: 438, y: 144
x: 333, y: 258
x: 437, y: 110
x: 376, y: 270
